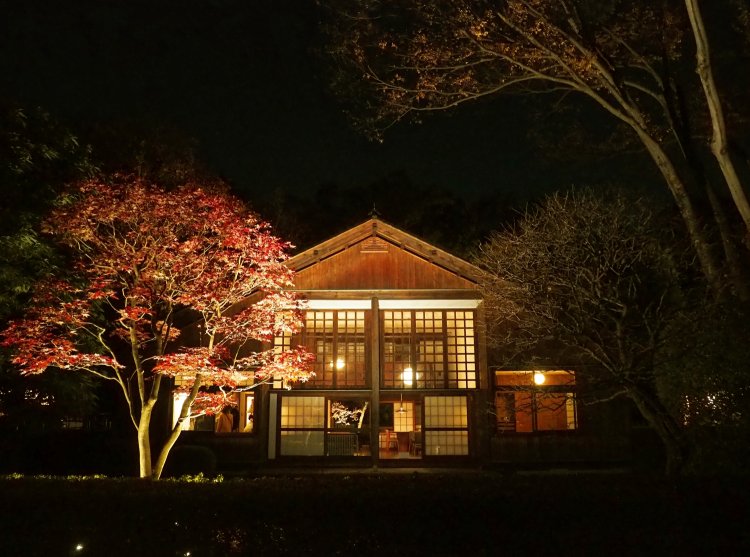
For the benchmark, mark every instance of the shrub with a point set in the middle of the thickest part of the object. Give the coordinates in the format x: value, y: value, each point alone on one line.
x: 191, y: 460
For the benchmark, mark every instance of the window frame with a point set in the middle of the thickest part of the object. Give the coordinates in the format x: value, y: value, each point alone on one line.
x: 440, y: 438
x: 534, y: 407
x: 329, y: 427
x: 447, y: 378
x: 247, y: 390
x: 339, y: 337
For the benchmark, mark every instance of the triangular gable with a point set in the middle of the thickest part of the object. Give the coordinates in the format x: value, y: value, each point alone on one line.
x: 377, y: 255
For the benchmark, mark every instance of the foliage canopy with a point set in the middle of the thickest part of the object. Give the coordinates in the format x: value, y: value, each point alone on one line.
x: 404, y: 59
x: 147, y: 266
x: 591, y: 284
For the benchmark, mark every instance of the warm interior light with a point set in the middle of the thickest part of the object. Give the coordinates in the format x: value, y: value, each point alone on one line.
x: 340, y: 364
x: 401, y: 409
x: 539, y: 378
x: 407, y: 376
x: 179, y: 400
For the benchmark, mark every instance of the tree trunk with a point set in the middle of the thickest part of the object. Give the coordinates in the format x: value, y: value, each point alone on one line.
x: 665, y: 426
x: 144, y: 442
x: 684, y: 204
x: 734, y: 266
x: 144, y: 430
x: 719, y: 141
x: 177, y: 429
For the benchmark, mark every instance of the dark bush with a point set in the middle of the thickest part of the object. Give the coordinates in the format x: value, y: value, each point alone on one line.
x: 431, y: 513
x: 190, y: 460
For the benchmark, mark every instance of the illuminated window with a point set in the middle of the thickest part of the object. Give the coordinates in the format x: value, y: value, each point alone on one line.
x: 317, y: 426
x: 347, y: 413
x: 247, y: 412
x: 348, y: 427
x: 429, y: 341
x: 281, y: 344
x: 403, y: 416
x: 446, y: 426
x: 397, y: 349
x: 429, y: 350
x: 337, y: 338
x: 460, y: 348
x: 530, y: 401
x: 241, y: 403
x: 302, y: 425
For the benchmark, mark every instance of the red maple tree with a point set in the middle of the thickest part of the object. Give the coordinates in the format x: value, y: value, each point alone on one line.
x: 148, y: 265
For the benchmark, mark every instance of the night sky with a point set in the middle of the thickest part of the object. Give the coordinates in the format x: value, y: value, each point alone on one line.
x: 246, y: 81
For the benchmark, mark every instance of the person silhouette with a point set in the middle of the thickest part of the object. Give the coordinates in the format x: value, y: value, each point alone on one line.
x: 224, y: 420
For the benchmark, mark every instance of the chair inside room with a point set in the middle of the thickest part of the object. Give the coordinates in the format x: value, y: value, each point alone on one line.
x: 388, y: 440
x: 415, y: 443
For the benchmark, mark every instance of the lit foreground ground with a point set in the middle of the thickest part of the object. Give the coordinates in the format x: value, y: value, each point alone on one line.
x: 469, y: 514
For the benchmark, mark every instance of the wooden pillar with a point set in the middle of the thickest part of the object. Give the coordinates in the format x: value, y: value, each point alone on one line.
x: 375, y: 382
x: 482, y: 428
x: 262, y: 420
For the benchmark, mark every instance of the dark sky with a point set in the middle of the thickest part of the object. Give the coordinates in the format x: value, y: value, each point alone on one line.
x: 243, y: 78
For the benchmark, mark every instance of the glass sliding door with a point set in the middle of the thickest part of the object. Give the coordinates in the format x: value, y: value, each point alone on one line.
x: 446, y: 426
x: 302, y: 425
x: 400, y: 431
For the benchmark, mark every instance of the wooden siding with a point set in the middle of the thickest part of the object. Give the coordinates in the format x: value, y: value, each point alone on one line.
x: 359, y: 267
x: 565, y: 448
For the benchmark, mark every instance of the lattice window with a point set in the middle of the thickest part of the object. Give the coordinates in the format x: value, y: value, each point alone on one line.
x: 337, y: 338
x: 318, y: 337
x: 447, y: 443
x: 403, y: 416
x: 302, y: 425
x: 187, y: 379
x: 281, y: 344
x: 446, y: 425
x: 351, y: 357
x: 429, y: 350
x: 397, y: 343
x: 461, y: 360
x: 430, y: 357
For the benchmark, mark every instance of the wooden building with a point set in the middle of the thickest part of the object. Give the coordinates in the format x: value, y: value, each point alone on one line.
x: 401, y: 372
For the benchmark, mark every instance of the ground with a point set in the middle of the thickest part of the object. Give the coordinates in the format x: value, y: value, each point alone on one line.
x: 439, y: 513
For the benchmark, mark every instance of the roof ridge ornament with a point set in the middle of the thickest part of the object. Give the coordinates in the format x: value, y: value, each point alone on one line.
x: 374, y: 214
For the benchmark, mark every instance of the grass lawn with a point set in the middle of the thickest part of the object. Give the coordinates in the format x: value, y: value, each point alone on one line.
x: 369, y: 514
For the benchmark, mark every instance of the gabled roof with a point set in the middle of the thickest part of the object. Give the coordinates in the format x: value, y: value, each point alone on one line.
x: 375, y: 229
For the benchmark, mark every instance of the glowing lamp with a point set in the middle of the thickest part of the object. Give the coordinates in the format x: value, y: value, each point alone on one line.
x: 539, y: 378
x: 407, y: 376
x: 340, y: 364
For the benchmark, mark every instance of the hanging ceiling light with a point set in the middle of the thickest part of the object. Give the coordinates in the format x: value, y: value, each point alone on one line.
x: 401, y: 409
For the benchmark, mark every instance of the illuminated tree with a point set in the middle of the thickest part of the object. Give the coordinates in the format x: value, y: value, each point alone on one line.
x: 147, y: 265
x: 595, y: 284
x: 407, y: 58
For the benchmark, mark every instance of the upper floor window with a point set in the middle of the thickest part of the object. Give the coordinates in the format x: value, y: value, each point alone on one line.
x: 428, y: 349
x: 337, y: 338
x: 530, y: 401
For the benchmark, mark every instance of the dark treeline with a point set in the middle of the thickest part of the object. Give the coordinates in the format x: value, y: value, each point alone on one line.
x: 454, y: 222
